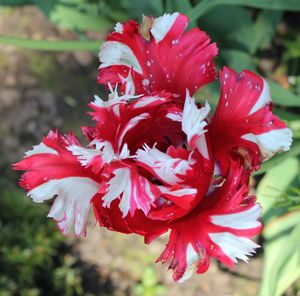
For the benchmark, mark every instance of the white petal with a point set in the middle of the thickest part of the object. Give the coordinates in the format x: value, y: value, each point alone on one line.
x: 118, y: 27
x: 123, y: 184
x: 145, y: 101
x: 116, y: 186
x: 130, y: 124
x: 84, y: 155
x: 125, y: 153
x: 271, y: 142
x: 39, y: 149
x: 182, y: 192
x: 202, y: 146
x: 116, y: 53
x: 114, y: 99
x: 130, y: 86
x: 72, y: 201
x: 264, y: 98
x: 175, y: 116
x: 193, y: 122
x: 242, y: 220
x: 124, y: 204
x: 235, y: 247
x: 98, y: 102
x: 162, y: 25
x: 192, y: 258
x: 165, y: 166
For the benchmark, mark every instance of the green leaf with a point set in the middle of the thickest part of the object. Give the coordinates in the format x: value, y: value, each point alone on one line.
x: 205, y: 6
x: 285, y: 115
x: 238, y: 60
x: 278, y: 159
x: 232, y: 30
x: 264, y: 29
x: 149, y: 277
x: 292, y: 120
x: 136, y: 8
x: 282, y: 96
x: 15, y: 2
x: 282, y: 243
x: 274, y: 184
x: 178, y: 5
x: 80, y: 45
x: 71, y: 17
x: 235, y: 29
x: 292, y: 49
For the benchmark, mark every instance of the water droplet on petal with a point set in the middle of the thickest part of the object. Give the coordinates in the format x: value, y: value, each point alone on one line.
x: 145, y: 82
x: 257, y: 87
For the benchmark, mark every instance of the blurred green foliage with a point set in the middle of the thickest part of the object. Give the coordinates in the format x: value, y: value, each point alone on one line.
x: 149, y: 285
x: 247, y: 35
x: 32, y: 260
x: 279, y: 195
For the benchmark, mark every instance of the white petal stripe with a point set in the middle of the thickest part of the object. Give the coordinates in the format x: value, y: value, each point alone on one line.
x: 123, y: 184
x: 72, y: 201
x: 242, y: 220
x: 116, y: 53
x: 166, y: 167
x: 264, y: 98
x: 192, y: 258
x: 235, y: 247
x: 271, y: 142
x: 39, y: 149
x: 162, y: 26
x: 130, y: 124
x: 193, y: 122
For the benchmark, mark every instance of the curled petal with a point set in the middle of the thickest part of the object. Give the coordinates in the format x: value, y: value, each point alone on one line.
x: 168, y: 169
x: 220, y: 227
x: 271, y: 142
x: 133, y: 190
x: 53, y: 172
x: 193, y: 124
x: 97, y: 157
x: 72, y: 201
x: 159, y: 55
x: 243, y: 124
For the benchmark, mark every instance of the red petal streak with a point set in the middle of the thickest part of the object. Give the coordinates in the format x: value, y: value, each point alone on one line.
x: 245, y: 108
x: 43, y: 167
x: 52, y: 171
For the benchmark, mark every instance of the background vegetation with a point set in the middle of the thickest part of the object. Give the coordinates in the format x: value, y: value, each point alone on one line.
x: 261, y: 35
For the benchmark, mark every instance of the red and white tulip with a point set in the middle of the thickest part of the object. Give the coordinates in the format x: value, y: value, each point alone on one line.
x: 153, y: 153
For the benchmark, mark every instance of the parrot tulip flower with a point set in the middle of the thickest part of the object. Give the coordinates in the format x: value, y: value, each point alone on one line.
x: 156, y: 161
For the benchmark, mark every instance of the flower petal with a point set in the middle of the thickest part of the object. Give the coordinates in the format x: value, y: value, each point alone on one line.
x: 117, y: 53
x: 72, y: 201
x: 162, y: 25
x: 133, y: 190
x: 271, y: 142
x: 53, y: 172
x: 243, y: 124
x: 193, y: 124
x: 159, y: 55
x: 220, y: 226
x: 168, y: 169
